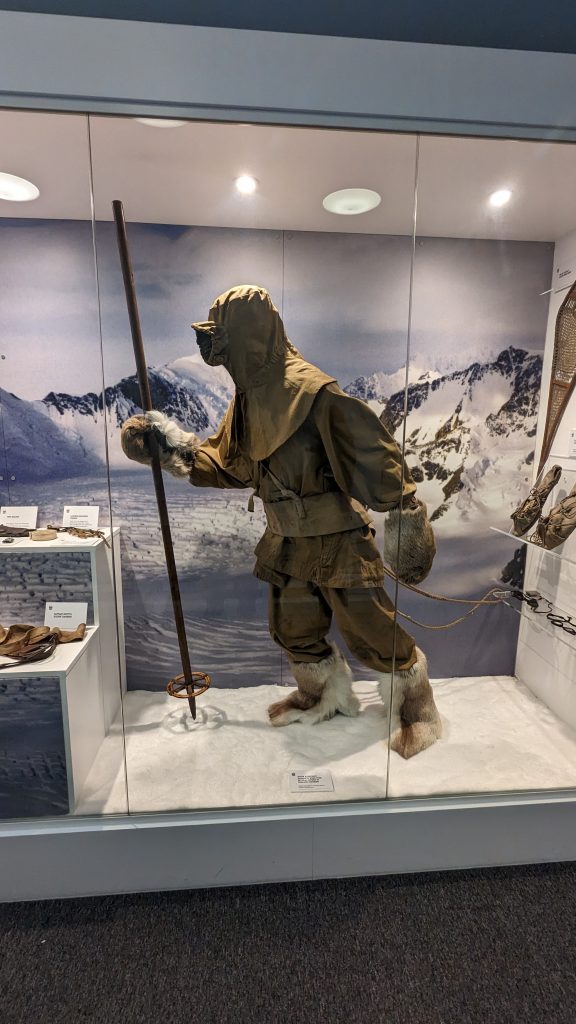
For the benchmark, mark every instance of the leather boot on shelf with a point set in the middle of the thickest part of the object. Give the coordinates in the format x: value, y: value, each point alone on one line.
x: 556, y: 527
x: 531, y: 508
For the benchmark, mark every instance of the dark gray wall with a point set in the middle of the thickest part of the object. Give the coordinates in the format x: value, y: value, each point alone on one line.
x: 511, y: 24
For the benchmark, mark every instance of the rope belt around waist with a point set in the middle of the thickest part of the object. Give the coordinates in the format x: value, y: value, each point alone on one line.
x: 320, y: 514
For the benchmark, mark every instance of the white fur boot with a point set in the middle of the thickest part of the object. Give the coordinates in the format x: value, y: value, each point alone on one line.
x: 324, y: 687
x: 414, y: 721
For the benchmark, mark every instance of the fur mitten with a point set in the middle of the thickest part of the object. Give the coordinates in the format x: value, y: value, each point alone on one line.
x: 176, y: 448
x: 409, y: 545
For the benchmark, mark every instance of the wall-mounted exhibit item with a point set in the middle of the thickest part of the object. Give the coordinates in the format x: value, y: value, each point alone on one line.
x: 563, y: 378
x: 530, y: 510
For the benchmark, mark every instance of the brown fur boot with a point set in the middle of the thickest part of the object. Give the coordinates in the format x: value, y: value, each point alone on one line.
x: 415, y: 723
x: 324, y: 687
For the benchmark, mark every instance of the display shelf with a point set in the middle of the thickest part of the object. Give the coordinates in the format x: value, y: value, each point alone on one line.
x: 77, y: 667
x: 60, y: 662
x: 91, y: 673
x: 535, y: 547
x: 63, y: 542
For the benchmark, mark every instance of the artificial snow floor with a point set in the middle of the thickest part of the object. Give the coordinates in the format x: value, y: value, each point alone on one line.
x: 497, y: 737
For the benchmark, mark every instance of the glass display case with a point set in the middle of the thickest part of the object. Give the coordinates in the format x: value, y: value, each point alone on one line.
x: 379, y: 376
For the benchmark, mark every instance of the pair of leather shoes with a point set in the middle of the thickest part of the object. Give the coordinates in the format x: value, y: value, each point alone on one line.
x: 553, y: 529
x: 24, y: 643
x: 530, y: 510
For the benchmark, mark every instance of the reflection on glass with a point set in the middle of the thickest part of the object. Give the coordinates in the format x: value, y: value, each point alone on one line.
x: 495, y: 237
x: 281, y: 427
x: 62, y: 748
x: 348, y: 409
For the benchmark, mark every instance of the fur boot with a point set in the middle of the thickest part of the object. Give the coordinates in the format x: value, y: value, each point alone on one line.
x: 414, y: 723
x: 324, y: 687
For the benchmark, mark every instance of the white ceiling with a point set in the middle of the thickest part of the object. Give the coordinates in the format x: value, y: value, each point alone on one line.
x: 186, y: 176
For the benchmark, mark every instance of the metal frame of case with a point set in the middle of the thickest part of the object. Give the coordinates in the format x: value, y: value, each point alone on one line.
x: 59, y: 63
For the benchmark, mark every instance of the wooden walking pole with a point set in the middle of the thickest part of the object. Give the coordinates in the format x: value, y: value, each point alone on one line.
x: 184, y: 685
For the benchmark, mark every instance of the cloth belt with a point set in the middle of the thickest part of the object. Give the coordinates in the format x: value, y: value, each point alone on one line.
x: 318, y: 515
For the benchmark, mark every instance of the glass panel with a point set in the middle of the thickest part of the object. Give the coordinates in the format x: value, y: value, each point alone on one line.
x: 495, y: 254
x: 443, y: 343
x: 341, y: 283
x: 59, y: 702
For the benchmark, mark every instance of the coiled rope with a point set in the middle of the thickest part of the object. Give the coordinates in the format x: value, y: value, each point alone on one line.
x: 493, y: 596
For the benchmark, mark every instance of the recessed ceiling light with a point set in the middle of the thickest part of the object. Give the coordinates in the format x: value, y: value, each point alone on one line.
x: 17, y: 190
x: 246, y: 184
x: 501, y: 197
x: 350, y: 201
x: 159, y: 122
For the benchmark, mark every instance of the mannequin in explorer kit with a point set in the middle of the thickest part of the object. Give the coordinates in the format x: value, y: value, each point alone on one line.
x: 318, y: 459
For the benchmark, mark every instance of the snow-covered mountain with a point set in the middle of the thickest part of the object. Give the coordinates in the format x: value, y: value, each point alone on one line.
x: 469, y: 433
x: 187, y: 390
x: 378, y: 387
x: 36, y: 448
x: 470, y: 438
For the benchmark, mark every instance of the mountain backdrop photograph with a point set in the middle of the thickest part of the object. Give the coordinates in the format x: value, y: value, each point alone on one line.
x: 467, y: 373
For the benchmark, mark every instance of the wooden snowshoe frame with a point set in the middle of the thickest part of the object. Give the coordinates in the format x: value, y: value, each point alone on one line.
x: 563, y: 376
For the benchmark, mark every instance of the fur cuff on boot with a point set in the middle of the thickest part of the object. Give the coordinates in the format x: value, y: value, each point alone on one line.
x: 324, y: 687
x: 409, y: 545
x: 176, y: 447
x: 414, y: 722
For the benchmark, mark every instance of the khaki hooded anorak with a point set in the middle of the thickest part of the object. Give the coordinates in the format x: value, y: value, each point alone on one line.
x: 316, y: 457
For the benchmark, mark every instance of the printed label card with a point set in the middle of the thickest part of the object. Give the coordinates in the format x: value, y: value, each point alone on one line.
x: 66, y: 614
x: 83, y: 517
x: 308, y: 780
x: 23, y: 516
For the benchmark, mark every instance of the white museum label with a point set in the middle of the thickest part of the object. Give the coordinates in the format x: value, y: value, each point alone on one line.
x: 572, y: 445
x: 306, y: 781
x: 67, y: 614
x: 83, y: 517
x: 23, y: 516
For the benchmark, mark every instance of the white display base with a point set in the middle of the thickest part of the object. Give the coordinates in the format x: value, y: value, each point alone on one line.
x: 106, y: 580
x: 77, y: 666
x: 498, y: 738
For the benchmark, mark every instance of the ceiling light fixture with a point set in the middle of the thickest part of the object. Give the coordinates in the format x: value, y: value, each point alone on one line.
x: 159, y: 122
x: 246, y: 184
x: 500, y: 197
x: 350, y: 201
x: 17, y: 190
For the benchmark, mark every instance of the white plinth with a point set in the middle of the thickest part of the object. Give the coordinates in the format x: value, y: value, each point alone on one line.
x: 92, y: 673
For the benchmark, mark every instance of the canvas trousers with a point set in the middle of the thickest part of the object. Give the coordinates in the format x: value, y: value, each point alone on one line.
x: 300, y: 616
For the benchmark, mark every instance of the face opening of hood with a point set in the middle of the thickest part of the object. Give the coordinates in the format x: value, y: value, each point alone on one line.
x: 275, y: 386
x: 244, y: 333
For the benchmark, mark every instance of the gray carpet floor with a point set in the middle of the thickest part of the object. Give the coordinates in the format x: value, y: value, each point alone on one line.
x: 493, y: 947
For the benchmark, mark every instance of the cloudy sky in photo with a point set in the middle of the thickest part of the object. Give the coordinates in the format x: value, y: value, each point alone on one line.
x: 344, y: 298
